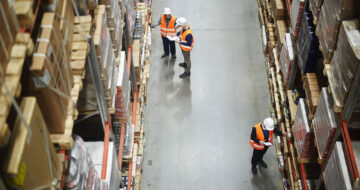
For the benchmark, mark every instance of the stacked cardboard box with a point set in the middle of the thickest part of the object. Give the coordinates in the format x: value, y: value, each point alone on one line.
x: 345, y: 62
x: 307, y: 44
x: 336, y: 175
x: 278, y: 9
x: 312, y: 91
x: 325, y: 123
x: 130, y: 19
x: 24, y: 13
x: 332, y: 13
x: 315, y: 6
x: 303, y: 136
x: 136, y: 51
x: 53, y: 78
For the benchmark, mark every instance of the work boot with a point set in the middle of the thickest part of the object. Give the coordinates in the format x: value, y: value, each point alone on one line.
x: 173, y: 56
x: 182, y: 64
x: 185, y: 74
x: 263, y: 164
x: 164, y: 55
x: 254, y: 170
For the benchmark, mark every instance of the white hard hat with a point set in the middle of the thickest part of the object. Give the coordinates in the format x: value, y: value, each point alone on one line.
x: 181, y: 21
x: 269, y: 124
x: 167, y: 11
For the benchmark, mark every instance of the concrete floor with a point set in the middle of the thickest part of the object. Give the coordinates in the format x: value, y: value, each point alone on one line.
x: 197, y: 129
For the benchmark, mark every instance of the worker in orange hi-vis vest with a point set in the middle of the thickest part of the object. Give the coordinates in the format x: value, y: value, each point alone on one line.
x: 186, y: 41
x: 168, y: 27
x: 261, y: 139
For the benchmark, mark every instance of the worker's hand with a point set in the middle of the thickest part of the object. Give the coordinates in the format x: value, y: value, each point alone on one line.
x: 261, y: 142
x: 152, y: 25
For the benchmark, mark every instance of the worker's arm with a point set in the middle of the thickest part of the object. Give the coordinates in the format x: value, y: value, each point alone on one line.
x: 253, y: 135
x: 159, y: 22
x: 280, y: 133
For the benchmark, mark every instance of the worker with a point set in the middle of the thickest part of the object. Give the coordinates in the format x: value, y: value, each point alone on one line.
x: 186, y: 41
x: 167, y: 24
x: 261, y: 139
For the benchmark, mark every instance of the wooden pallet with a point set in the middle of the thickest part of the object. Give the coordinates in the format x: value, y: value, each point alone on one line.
x: 23, y: 47
x: 338, y: 106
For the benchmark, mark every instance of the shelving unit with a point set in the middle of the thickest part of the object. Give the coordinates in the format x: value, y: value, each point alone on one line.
x: 79, y: 30
x: 300, y: 173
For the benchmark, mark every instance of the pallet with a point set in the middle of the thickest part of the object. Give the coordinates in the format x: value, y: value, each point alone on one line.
x: 11, y: 88
x: 338, y: 106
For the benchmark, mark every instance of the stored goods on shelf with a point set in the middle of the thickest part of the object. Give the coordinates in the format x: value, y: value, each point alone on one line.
x: 278, y: 9
x: 288, y: 61
x: 129, y: 141
x: 130, y: 19
x: 307, y: 44
x: 81, y: 172
x: 10, y: 28
x: 315, y: 6
x: 344, y: 65
x: 112, y: 169
x: 123, y: 92
x: 356, y: 148
x: 325, y: 123
x: 296, y: 13
x: 312, y: 91
x: 336, y: 175
x: 331, y: 15
x: 303, y: 136
x: 32, y: 161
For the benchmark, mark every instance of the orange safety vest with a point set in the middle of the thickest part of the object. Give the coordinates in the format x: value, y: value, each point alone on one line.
x: 183, y: 39
x: 260, y: 136
x: 170, y: 29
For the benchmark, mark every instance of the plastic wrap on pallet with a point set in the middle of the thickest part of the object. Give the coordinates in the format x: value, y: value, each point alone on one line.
x: 138, y: 26
x: 296, y: 12
x: 304, y: 138
x: 345, y: 61
x: 307, y: 44
x: 129, y: 141
x: 336, y: 175
x: 112, y: 178
x: 315, y: 6
x: 287, y: 57
x: 325, y: 122
x: 332, y: 12
x: 81, y: 173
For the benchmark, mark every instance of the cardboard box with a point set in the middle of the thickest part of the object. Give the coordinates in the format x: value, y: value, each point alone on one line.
x: 32, y: 161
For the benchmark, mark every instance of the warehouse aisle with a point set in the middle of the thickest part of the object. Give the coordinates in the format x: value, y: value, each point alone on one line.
x: 197, y: 130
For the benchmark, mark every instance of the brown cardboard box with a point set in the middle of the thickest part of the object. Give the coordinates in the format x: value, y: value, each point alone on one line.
x: 31, y: 162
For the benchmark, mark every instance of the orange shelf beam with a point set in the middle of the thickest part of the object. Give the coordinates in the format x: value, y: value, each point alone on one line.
x: 121, y: 146
x: 134, y: 123
x: 106, y: 151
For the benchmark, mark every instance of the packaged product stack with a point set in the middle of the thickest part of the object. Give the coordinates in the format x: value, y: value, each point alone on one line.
x: 325, y: 123
x: 129, y: 141
x: 296, y: 13
x: 336, y: 175
x: 331, y: 15
x: 307, y: 44
x: 81, y: 173
x: 130, y: 19
x: 304, y: 138
x: 345, y: 62
x: 287, y: 60
x: 315, y: 6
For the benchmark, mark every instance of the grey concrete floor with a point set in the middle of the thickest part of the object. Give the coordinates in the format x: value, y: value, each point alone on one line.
x: 197, y: 129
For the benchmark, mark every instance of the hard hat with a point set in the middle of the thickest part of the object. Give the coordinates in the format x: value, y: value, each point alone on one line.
x: 181, y: 21
x: 269, y: 124
x: 167, y: 11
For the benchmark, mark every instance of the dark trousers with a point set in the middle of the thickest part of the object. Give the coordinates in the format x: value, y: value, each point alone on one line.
x: 258, y: 156
x: 187, y: 60
x: 166, y: 44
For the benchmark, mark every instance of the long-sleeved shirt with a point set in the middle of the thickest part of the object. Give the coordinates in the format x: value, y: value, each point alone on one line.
x: 167, y: 21
x: 266, y: 134
x: 188, y: 39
